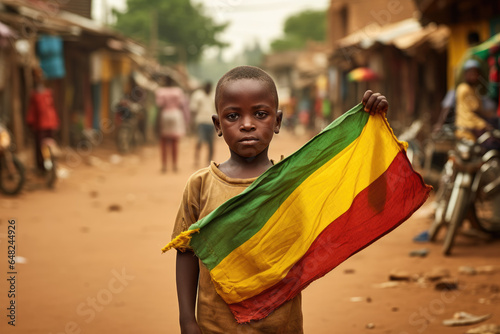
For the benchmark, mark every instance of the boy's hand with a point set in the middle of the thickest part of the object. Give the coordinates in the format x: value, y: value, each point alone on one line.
x: 375, y: 103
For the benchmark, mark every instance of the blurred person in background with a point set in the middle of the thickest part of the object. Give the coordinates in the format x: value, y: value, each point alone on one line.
x: 472, y: 118
x: 203, y: 107
x: 41, y: 116
x: 448, y: 105
x: 172, y: 119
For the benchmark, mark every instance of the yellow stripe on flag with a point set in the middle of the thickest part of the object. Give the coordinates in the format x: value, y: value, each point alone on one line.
x: 295, y: 225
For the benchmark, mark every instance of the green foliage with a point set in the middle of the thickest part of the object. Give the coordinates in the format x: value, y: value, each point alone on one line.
x: 180, y: 26
x: 301, y: 27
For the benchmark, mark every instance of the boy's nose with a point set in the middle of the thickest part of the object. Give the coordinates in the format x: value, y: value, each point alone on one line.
x: 247, y: 124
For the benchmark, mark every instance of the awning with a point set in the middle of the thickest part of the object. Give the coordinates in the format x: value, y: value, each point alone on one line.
x: 403, y: 35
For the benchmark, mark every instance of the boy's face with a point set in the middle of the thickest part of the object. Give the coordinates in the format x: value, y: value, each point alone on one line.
x: 247, y: 117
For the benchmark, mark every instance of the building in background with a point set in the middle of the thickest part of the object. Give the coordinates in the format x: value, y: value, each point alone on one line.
x: 403, y: 60
x: 470, y: 21
x: 346, y: 17
x: 90, y: 67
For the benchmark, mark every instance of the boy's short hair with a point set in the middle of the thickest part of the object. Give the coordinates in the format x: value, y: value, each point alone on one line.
x: 246, y: 72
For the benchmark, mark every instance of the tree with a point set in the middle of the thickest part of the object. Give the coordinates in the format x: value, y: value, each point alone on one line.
x: 177, y: 30
x: 301, y: 27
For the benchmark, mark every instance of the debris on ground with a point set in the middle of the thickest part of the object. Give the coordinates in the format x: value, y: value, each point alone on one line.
x: 489, y: 300
x: 466, y: 270
x: 422, y: 237
x: 485, y: 329
x: 371, y: 325
x: 115, y: 207
x: 446, y: 285
x: 437, y: 274
x: 349, y: 271
x: 464, y: 318
x: 386, y: 285
x: 419, y: 252
x: 481, y: 270
x: 489, y: 270
x: 399, y: 275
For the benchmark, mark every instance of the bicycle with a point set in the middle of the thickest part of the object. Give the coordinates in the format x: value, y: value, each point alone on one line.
x: 128, y: 134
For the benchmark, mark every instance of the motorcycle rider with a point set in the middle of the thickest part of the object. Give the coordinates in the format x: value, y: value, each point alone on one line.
x: 472, y: 119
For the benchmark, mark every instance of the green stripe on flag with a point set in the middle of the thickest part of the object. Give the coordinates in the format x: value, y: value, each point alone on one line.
x: 224, y: 230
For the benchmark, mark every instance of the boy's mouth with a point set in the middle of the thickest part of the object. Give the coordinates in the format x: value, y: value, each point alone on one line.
x: 248, y: 140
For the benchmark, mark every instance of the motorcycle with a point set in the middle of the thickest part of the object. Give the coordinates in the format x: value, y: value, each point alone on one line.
x: 469, y: 189
x: 12, y: 175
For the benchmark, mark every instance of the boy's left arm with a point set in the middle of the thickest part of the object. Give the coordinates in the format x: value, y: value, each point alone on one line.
x: 375, y: 103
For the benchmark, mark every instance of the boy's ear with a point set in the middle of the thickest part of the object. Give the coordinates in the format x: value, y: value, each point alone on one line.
x: 216, y: 121
x: 279, y: 118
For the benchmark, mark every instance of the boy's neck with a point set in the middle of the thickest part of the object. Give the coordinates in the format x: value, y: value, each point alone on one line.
x: 245, y: 168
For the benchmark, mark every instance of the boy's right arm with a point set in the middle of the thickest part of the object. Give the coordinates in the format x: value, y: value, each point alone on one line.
x: 187, y: 273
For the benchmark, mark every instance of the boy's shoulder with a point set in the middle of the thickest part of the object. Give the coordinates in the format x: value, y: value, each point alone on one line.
x: 199, y: 177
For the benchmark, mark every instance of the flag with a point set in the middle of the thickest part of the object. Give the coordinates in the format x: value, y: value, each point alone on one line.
x: 344, y: 189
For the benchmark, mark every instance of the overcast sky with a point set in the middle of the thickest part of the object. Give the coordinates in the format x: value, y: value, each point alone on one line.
x: 249, y: 20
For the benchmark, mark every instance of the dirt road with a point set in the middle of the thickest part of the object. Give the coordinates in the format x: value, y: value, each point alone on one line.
x: 89, y: 259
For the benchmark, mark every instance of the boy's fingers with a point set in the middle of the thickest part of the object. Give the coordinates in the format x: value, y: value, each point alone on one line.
x: 369, y: 106
x: 366, y: 96
x: 383, y: 106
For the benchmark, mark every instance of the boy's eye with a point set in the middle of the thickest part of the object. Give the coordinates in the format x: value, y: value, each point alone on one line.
x: 261, y: 114
x: 232, y: 116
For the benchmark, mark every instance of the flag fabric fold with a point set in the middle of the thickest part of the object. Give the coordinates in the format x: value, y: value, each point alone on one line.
x: 344, y: 189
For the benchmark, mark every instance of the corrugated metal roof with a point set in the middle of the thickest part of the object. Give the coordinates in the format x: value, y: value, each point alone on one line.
x: 403, y: 35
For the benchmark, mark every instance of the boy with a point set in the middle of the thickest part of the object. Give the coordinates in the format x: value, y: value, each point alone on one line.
x: 247, y: 117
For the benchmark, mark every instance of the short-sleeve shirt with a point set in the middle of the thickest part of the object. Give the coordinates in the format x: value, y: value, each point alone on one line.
x: 41, y: 113
x: 207, y: 189
x: 466, y: 118
x: 203, y: 105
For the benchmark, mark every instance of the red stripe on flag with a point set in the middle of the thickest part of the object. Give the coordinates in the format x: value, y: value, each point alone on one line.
x: 385, y: 204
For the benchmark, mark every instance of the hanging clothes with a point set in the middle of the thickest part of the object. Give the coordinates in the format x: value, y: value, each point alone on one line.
x: 50, y: 51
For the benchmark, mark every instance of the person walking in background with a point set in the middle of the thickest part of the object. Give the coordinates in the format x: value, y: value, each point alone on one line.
x: 202, y: 106
x: 41, y: 116
x: 172, y: 119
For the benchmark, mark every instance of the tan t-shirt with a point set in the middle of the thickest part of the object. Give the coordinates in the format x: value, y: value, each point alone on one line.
x: 205, y: 191
x: 466, y: 118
